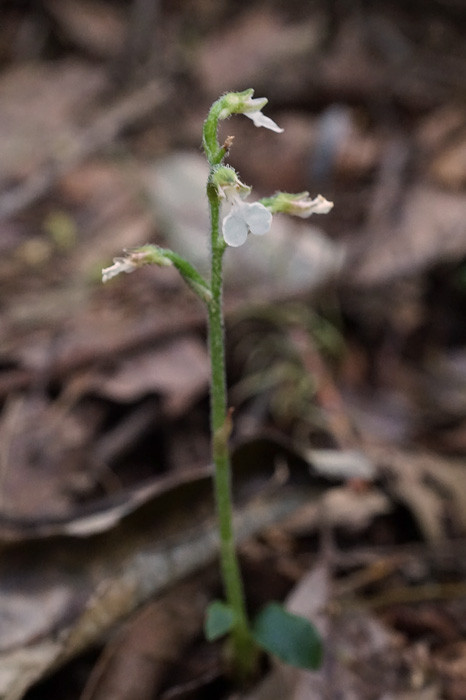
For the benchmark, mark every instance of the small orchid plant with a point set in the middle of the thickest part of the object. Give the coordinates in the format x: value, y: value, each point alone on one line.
x: 232, y: 219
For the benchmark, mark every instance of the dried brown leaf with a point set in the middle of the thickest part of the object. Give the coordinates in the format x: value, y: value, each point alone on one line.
x: 428, y: 228
x: 115, y: 561
x: 254, y: 48
x: 177, y: 369
x: 133, y: 665
x: 97, y: 27
x: 433, y: 489
x: 40, y: 105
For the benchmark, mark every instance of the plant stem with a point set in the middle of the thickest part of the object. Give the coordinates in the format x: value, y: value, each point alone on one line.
x: 243, y: 646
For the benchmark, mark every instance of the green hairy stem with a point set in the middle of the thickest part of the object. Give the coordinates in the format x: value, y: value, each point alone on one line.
x: 243, y: 648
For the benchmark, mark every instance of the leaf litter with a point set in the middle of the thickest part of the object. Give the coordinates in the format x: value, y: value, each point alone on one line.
x: 86, y: 444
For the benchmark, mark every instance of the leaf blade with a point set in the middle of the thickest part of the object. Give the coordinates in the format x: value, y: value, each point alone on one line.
x: 291, y: 638
x: 220, y: 620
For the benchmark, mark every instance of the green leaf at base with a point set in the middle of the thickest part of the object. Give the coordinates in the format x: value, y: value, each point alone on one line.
x: 220, y: 619
x: 291, y: 638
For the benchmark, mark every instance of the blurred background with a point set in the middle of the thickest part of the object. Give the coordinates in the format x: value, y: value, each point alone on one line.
x: 346, y: 335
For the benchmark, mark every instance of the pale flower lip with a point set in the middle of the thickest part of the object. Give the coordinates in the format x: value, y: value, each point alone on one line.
x: 260, y: 119
x: 245, y: 218
x: 119, y: 265
x: 306, y: 207
x: 235, y: 229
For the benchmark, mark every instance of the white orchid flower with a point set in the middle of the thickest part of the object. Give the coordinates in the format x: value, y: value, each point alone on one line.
x: 245, y: 103
x: 252, y: 107
x: 242, y: 217
x: 245, y: 218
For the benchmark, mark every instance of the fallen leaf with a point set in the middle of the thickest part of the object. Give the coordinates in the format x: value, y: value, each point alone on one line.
x: 95, y: 570
x: 98, y: 28
x: 431, y: 487
x: 40, y: 103
x: 134, y: 663
x: 179, y: 370
x: 254, y: 48
x: 428, y: 228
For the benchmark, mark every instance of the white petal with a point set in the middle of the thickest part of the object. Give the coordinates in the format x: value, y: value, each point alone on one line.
x: 320, y: 205
x: 258, y: 219
x: 305, y: 207
x: 119, y: 265
x: 255, y: 104
x: 260, y: 119
x: 109, y: 272
x: 235, y: 229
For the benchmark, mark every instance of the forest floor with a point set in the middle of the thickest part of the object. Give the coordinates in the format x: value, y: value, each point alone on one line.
x: 346, y: 344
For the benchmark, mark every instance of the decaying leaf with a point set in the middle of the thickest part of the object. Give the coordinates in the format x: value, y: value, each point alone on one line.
x: 134, y: 663
x: 95, y: 571
x: 255, y: 46
x: 427, y: 227
x: 40, y: 102
x: 98, y: 28
x: 178, y: 370
x: 433, y: 489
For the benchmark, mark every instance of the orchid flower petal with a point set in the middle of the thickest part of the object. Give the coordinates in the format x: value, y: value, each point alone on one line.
x: 258, y: 219
x: 243, y: 219
x: 260, y: 119
x: 119, y: 265
x: 305, y: 207
x: 320, y: 205
x: 235, y: 229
